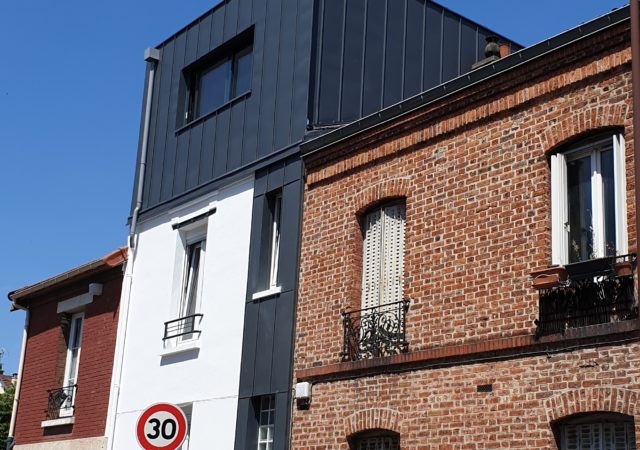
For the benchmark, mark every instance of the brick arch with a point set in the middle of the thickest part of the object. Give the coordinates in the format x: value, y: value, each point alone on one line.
x: 394, y: 187
x: 567, y: 129
x: 608, y: 399
x: 372, y: 419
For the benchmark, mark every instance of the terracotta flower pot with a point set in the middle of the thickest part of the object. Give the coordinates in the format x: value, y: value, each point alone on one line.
x: 623, y: 269
x: 549, y: 277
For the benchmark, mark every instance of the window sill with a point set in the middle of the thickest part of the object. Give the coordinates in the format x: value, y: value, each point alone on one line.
x: 58, y: 422
x: 211, y: 113
x: 267, y: 293
x: 193, y: 344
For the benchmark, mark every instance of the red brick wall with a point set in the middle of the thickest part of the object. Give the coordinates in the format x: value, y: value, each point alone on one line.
x: 45, y: 359
x: 441, y: 408
x: 475, y: 173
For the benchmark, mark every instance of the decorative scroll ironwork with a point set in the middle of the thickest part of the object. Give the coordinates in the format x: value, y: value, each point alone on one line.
x: 375, y: 332
x: 597, y: 291
x: 60, y: 402
x: 184, y: 326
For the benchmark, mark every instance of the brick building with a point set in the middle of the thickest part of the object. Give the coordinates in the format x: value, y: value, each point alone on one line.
x: 423, y: 225
x: 63, y: 390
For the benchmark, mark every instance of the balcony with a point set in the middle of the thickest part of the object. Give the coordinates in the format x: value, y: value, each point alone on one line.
x: 184, y: 328
x: 60, y: 402
x: 591, y: 292
x: 375, y: 332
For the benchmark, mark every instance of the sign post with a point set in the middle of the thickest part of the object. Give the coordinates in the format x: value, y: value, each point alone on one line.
x: 161, y: 427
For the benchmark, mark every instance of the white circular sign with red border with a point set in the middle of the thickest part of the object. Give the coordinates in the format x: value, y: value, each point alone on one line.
x: 161, y: 427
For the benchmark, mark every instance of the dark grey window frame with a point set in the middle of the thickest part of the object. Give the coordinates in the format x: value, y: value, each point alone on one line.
x: 229, y: 55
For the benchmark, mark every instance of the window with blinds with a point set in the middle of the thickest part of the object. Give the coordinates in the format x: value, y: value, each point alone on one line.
x: 383, y: 255
x: 376, y: 441
x: 598, y: 435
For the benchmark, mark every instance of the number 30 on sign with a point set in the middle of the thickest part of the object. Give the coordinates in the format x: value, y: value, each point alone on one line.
x: 161, y: 427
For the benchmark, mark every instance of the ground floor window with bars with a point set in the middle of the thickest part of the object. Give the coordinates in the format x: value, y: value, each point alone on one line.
x: 376, y: 440
x: 598, y: 432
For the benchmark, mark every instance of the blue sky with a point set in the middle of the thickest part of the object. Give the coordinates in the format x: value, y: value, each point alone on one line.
x: 71, y: 79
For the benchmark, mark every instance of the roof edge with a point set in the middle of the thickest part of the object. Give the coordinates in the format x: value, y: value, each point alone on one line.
x: 465, y: 81
x: 113, y: 259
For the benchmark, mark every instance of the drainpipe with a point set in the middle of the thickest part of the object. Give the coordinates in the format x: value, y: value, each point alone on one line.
x: 16, y: 396
x: 635, y: 89
x: 151, y: 56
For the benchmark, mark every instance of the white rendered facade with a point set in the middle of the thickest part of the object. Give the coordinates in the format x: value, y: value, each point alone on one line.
x: 199, y: 371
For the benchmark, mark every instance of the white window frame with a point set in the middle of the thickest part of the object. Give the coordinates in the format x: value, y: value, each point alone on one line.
x: 71, y: 379
x: 266, y: 442
x: 276, y: 223
x: 187, y: 297
x: 560, y: 204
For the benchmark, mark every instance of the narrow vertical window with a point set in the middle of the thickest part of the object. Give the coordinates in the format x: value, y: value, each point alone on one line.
x: 72, y: 363
x: 266, y: 422
x: 276, y: 214
x: 191, y: 286
x: 383, y: 255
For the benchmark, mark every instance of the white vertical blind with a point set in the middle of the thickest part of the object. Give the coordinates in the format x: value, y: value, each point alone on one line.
x: 393, y: 254
x: 383, y: 256
x: 619, y: 176
x: 371, y: 259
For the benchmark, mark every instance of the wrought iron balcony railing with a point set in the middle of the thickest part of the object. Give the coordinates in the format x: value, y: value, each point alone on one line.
x: 596, y: 291
x: 375, y: 332
x: 60, y: 402
x: 184, y: 327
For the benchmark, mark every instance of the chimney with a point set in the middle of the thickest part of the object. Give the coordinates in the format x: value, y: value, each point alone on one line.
x: 492, y: 52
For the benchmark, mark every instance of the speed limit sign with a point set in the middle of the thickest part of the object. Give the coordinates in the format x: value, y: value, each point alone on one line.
x: 161, y: 427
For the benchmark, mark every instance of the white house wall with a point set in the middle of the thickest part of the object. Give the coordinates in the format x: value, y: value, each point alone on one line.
x: 209, y: 376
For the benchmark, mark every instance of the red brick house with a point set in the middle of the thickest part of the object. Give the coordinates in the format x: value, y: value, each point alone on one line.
x: 423, y: 226
x: 63, y: 390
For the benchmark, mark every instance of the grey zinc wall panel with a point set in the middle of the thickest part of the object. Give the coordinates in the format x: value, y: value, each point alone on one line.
x: 182, y: 158
x: 410, y: 46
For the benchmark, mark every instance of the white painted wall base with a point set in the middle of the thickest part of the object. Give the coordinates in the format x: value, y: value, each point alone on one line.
x: 97, y: 443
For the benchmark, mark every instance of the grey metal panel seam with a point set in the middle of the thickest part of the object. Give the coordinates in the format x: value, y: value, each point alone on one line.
x: 340, y: 72
x: 424, y: 47
x: 472, y: 78
x: 404, y: 49
x: 317, y: 81
x: 295, y: 58
x: 364, y: 56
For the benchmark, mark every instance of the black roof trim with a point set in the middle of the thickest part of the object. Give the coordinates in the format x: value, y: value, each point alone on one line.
x: 469, y: 79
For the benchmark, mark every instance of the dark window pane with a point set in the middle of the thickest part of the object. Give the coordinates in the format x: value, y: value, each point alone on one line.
x: 580, y: 210
x: 606, y: 167
x: 242, y: 72
x: 213, y: 87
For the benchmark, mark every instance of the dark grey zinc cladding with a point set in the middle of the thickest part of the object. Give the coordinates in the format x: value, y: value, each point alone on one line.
x: 267, y: 344
x: 315, y: 62
x: 271, y: 116
x: 375, y: 53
